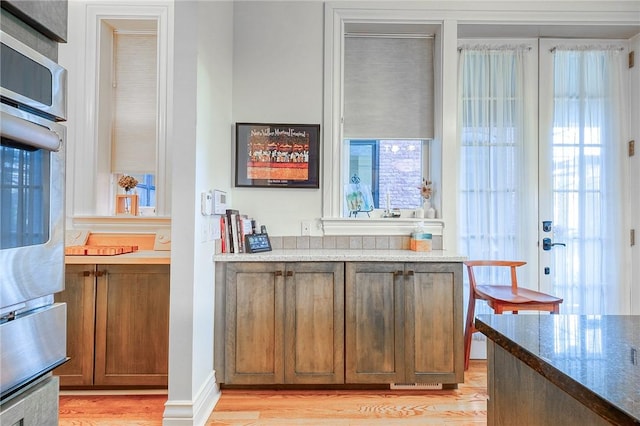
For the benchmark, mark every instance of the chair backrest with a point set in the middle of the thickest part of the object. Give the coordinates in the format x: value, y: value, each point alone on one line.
x: 513, y: 264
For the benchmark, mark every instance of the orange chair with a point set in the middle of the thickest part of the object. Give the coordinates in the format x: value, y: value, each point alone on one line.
x: 502, y: 298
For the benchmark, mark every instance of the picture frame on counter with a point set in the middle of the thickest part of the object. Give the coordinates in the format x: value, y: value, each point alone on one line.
x: 277, y: 155
x: 257, y: 243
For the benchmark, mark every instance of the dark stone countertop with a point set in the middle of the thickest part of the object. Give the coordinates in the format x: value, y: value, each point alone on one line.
x: 594, y: 358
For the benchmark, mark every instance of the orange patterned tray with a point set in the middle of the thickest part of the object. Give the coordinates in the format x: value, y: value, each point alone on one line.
x: 98, y: 250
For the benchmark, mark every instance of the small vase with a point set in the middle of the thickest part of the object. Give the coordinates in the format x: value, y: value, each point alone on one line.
x: 127, y: 203
x: 429, y: 211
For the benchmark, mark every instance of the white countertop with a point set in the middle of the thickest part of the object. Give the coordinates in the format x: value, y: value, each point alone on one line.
x: 341, y: 255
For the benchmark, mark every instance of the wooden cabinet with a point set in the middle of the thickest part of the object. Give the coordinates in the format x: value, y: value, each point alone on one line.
x: 117, y: 326
x: 338, y: 323
x: 80, y: 296
x: 284, y: 323
x: 403, y: 323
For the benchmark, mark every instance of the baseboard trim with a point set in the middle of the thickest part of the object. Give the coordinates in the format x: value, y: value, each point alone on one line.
x: 195, y: 412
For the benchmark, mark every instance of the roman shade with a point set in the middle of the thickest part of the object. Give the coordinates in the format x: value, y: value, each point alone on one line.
x: 135, y: 104
x: 388, y: 87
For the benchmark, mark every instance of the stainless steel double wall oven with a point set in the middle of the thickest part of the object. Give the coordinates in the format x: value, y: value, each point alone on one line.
x: 32, y: 153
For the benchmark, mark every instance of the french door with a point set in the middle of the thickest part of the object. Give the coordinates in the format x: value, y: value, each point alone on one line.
x: 567, y: 176
x: 582, y: 175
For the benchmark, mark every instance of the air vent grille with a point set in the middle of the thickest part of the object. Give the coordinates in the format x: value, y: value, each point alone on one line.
x: 416, y: 386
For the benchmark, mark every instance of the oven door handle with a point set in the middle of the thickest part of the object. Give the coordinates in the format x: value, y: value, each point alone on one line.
x: 28, y: 133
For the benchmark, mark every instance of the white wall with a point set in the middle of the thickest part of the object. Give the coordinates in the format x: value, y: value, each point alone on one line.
x: 200, y: 137
x: 277, y: 78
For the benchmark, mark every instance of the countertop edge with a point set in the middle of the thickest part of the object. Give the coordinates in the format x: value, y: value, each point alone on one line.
x: 136, y: 258
x: 595, y: 402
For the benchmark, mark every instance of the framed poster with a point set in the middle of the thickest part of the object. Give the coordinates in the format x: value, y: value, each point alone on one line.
x: 277, y: 155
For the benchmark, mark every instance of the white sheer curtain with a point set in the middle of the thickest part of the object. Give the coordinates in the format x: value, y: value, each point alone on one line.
x: 491, y: 127
x: 587, y: 149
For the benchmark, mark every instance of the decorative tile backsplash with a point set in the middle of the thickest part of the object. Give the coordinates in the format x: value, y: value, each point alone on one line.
x: 348, y: 242
x: 367, y: 242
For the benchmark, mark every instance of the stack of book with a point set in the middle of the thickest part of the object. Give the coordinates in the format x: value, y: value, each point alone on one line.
x: 233, y: 228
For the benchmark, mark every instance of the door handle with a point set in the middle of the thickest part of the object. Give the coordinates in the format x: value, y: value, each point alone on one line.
x: 547, y: 244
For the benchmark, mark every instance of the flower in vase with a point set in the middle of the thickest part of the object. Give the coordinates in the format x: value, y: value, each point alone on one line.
x: 425, y: 189
x: 127, y: 182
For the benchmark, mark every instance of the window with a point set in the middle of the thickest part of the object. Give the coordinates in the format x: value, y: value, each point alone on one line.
x: 146, y: 188
x: 91, y: 160
x: 134, y: 120
x: 388, y: 114
x: 365, y: 45
x: 387, y: 167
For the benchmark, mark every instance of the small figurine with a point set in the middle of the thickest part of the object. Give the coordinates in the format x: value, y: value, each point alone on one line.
x: 426, y: 191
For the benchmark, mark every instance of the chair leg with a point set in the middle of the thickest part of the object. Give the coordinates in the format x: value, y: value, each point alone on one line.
x: 469, y: 329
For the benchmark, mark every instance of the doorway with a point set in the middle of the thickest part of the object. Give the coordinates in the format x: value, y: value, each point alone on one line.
x: 542, y: 171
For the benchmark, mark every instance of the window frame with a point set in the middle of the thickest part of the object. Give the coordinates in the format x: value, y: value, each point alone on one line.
x: 96, y: 203
x: 337, y: 17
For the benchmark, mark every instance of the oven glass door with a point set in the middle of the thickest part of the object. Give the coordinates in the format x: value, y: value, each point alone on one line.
x: 31, y: 208
x: 24, y: 195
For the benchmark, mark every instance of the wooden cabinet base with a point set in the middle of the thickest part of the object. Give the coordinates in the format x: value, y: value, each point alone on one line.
x: 338, y: 323
x: 117, y: 326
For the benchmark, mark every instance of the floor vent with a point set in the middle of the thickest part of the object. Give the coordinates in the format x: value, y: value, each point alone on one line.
x: 416, y: 386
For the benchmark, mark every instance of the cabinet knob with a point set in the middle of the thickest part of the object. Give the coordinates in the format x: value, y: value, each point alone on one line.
x: 398, y: 273
x: 410, y: 273
x: 86, y: 273
x: 278, y: 273
x: 100, y: 273
x: 289, y: 273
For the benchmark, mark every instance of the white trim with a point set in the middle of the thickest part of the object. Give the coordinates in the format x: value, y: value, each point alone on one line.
x: 119, y: 224
x: 633, y: 264
x: 507, y: 11
x: 379, y: 226
x: 196, y: 412
x: 87, y: 156
x: 335, y: 21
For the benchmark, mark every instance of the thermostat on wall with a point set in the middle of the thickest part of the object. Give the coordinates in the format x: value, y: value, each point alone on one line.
x: 219, y: 202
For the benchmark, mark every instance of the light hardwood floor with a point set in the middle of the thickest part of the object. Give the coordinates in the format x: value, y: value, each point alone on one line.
x: 463, y: 406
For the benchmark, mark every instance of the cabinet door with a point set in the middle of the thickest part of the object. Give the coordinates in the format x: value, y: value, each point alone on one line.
x: 433, y: 328
x: 132, y: 325
x: 79, y: 295
x: 374, y: 306
x: 314, y: 323
x: 255, y: 323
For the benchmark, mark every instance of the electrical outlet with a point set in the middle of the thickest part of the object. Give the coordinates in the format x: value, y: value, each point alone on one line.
x: 305, y: 227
